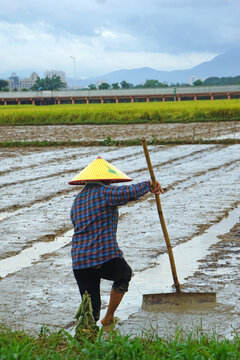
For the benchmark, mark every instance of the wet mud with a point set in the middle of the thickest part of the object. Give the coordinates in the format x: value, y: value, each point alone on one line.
x: 189, y: 131
x: 37, y: 286
x: 217, y: 272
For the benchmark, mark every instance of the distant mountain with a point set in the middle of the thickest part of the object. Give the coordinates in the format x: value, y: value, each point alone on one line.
x: 226, y: 64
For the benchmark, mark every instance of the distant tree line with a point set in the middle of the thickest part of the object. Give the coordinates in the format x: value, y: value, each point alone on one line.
x: 211, y: 81
x: 3, y: 85
x: 104, y: 86
x: 55, y: 83
x: 125, y: 85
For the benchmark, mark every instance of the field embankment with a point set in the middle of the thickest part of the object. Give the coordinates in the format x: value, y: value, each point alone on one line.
x: 225, y: 132
x: 128, y: 113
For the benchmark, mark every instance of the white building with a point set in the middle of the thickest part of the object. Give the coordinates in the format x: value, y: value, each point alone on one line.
x: 15, y: 82
x: 27, y: 83
x: 51, y: 73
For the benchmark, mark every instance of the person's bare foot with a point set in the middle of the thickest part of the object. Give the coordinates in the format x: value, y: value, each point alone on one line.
x: 109, y: 321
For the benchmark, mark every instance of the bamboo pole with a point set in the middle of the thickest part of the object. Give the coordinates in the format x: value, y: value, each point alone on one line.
x: 161, y: 217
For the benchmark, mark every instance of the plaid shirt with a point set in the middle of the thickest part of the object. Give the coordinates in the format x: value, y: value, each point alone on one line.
x: 94, y: 215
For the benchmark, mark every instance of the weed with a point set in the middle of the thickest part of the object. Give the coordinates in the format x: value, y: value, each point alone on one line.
x: 153, y: 141
x: 109, y: 141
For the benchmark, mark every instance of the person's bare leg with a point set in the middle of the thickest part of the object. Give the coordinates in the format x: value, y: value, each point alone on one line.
x: 115, y: 299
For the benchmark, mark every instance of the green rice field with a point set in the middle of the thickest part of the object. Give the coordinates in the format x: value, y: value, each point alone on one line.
x: 157, y: 112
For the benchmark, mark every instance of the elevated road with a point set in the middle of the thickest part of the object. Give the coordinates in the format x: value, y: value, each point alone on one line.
x: 120, y: 95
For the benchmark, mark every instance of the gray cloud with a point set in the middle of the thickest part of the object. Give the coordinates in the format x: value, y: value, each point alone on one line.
x: 163, y: 25
x: 111, y: 28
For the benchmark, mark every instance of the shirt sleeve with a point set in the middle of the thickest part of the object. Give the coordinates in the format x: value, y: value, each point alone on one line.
x: 120, y: 195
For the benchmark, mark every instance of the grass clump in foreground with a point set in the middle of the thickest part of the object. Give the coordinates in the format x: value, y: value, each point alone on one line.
x: 61, y: 345
x: 86, y: 326
x: 134, y: 113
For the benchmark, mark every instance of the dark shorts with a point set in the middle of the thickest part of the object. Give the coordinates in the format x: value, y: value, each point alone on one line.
x: 89, y: 279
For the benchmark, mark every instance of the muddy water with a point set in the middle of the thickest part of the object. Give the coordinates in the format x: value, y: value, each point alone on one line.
x: 190, y: 258
x: 37, y: 285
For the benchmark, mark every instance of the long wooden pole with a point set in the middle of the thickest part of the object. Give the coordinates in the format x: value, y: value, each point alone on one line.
x: 161, y: 217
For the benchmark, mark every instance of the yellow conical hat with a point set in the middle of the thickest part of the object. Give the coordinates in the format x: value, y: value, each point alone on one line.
x: 99, y: 170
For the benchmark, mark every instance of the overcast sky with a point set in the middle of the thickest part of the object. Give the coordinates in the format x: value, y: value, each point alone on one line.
x: 108, y: 35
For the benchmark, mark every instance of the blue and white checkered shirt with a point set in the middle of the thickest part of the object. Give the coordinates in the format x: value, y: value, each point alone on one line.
x: 94, y: 215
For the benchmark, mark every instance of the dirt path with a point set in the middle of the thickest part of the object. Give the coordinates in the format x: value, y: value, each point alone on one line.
x: 120, y: 132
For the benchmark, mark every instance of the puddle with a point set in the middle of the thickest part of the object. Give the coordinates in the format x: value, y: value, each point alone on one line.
x: 32, y: 254
x: 235, y: 135
x: 159, y: 278
x: 4, y: 216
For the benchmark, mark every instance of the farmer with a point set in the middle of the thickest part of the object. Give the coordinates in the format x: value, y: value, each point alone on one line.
x: 94, y: 214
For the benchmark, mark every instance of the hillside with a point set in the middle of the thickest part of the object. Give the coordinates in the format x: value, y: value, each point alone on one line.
x: 226, y: 64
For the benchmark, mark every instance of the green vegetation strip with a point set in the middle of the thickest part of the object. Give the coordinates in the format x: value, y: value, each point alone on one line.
x: 61, y: 345
x: 133, y: 113
x: 111, y: 142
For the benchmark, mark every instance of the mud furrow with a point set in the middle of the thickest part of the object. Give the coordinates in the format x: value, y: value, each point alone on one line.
x: 35, y: 188
x: 43, y: 216
x: 29, y: 180
x: 47, y: 157
x: 195, y: 155
x: 40, y: 221
x: 11, y: 209
x: 45, y: 238
x: 231, y: 165
x: 59, y: 156
x: 40, y: 210
x: 44, y: 156
x: 65, y: 162
x: 22, y: 173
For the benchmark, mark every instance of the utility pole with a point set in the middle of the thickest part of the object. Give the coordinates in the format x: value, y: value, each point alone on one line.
x: 74, y: 67
x: 174, y: 94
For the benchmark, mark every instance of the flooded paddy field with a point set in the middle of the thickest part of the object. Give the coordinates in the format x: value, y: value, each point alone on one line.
x: 201, y: 209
